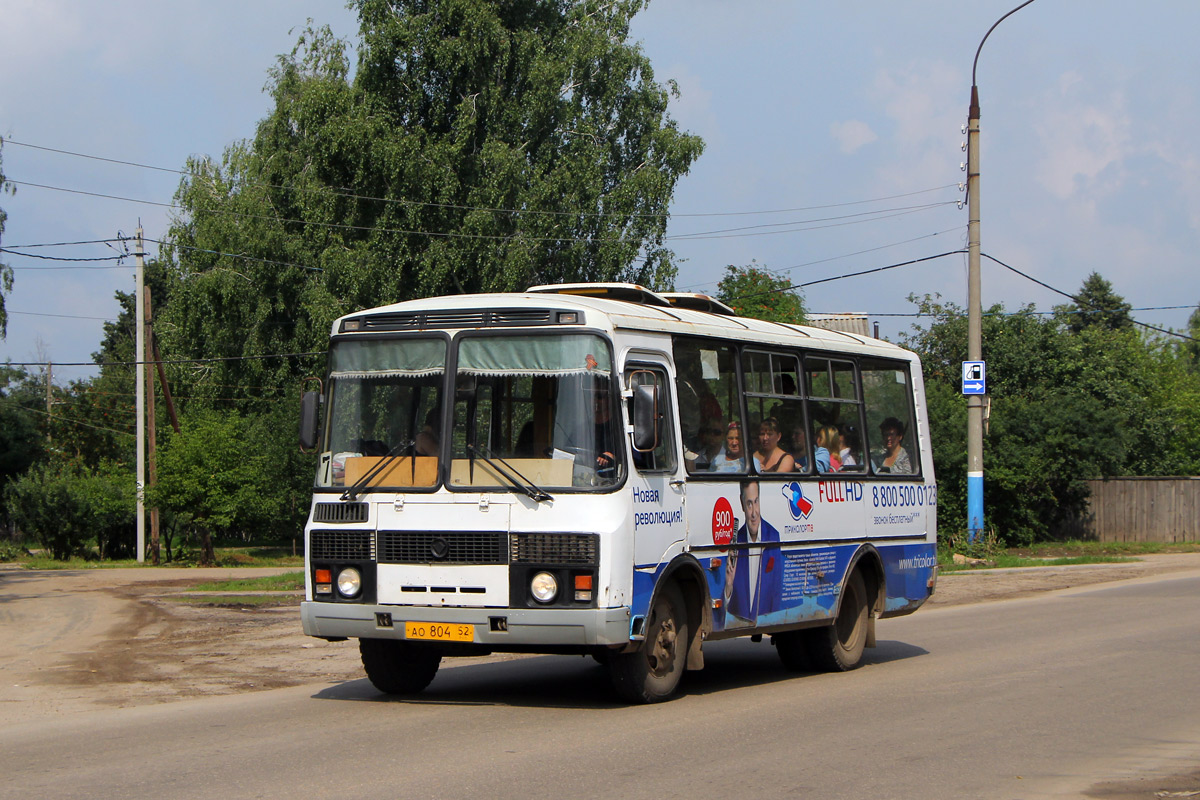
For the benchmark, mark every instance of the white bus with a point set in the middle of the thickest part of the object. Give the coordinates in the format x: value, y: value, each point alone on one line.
x: 600, y: 469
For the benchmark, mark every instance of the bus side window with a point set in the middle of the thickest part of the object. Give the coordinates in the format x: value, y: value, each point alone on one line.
x: 890, y: 431
x: 709, y: 407
x: 662, y: 457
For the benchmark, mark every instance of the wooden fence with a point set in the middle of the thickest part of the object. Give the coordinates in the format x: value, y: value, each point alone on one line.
x: 1156, y: 509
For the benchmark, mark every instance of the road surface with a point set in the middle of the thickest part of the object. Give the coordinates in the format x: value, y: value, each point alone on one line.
x: 1051, y: 695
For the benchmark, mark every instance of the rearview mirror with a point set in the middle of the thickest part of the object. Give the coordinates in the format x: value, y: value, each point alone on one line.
x: 310, y: 420
x: 646, y: 417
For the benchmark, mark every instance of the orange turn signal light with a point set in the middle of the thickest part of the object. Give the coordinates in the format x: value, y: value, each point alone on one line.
x: 583, y: 582
x: 324, y: 576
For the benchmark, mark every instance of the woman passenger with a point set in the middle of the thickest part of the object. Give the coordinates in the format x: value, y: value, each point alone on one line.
x: 732, y: 458
x: 770, y: 457
x: 895, y: 457
x: 828, y: 454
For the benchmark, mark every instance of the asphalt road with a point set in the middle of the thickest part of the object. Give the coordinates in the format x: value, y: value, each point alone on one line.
x: 1037, y: 697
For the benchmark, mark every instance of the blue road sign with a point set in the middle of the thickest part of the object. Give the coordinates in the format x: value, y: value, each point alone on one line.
x: 974, y: 377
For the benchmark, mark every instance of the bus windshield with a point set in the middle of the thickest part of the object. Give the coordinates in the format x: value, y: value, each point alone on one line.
x: 385, y: 399
x: 543, y: 407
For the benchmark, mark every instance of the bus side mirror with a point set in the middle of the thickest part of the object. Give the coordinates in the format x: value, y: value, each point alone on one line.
x: 646, y: 417
x: 310, y: 420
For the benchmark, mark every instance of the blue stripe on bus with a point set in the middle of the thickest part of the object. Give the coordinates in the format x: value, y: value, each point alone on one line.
x: 810, y: 583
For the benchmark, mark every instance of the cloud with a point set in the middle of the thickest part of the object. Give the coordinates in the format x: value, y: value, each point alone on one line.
x: 1084, y: 143
x: 917, y: 98
x: 852, y: 135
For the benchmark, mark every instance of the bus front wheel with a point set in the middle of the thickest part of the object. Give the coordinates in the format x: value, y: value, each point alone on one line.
x: 398, y: 667
x: 839, y: 647
x: 652, y: 674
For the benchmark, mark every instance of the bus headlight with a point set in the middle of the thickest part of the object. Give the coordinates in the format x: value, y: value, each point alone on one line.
x: 349, y: 582
x: 544, y: 587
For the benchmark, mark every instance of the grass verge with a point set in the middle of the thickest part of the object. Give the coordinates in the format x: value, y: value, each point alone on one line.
x: 237, y: 601
x: 287, y: 582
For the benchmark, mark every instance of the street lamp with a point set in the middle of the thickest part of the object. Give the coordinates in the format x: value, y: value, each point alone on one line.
x: 975, y: 401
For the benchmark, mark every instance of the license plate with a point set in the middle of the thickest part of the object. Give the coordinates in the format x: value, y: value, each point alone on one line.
x: 440, y: 632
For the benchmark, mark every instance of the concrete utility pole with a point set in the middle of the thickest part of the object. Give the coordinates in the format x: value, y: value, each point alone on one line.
x: 140, y: 380
x: 975, y: 402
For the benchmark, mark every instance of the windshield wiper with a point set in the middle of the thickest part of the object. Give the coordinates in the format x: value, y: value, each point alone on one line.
x: 531, y: 489
x: 352, y: 493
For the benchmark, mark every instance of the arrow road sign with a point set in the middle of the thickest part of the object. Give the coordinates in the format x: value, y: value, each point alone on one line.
x: 974, y: 377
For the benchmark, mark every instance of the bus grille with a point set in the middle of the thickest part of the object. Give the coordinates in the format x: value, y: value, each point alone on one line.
x: 340, y: 512
x: 567, y: 549
x: 443, y: 547
x: 341, y: 546
x: 470, y: 318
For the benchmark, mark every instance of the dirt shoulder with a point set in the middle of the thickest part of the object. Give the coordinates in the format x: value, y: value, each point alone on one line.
x: 88, y: 639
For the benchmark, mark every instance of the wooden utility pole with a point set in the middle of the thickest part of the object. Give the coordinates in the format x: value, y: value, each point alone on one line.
x: 49, y: 400
x: 140, y: 381
x: 151, y: 440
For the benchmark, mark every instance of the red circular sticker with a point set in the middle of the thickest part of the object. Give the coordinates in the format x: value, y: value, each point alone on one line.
x: 722, y: 523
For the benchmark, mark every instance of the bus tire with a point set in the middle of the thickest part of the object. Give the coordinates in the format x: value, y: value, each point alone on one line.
x: 398, y: 667
x: 839, y: 647
x: 792, y: 647
x: 652, y: 673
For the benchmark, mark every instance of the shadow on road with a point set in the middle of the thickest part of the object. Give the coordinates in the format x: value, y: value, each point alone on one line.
x: 579, y: 682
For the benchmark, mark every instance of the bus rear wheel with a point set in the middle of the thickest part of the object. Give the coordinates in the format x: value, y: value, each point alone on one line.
x: 398, y: 667
x: 839, y: 647
x: 652, y: 674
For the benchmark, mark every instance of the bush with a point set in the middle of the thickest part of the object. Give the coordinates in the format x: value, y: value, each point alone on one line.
x: 64, y: 508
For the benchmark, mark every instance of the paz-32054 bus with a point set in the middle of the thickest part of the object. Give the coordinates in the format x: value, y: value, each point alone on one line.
x: 600, y: 469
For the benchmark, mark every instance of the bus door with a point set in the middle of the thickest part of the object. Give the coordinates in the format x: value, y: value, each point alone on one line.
x: 656, y: 481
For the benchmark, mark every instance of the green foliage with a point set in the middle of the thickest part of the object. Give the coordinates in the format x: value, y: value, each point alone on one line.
x: 479, y: 146
x: 752, y: 291
x: 11, y: 551
x: 286, y: 582
x: 1066, y: 406
x: 21, y: 435
x: 66, y: 509
x: 1098, y: 306
x: 235, y: 476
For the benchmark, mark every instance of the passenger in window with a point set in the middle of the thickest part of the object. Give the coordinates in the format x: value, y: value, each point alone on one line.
x: 800, y: 447
x: 770, y: 457
x: 895, y: 458
x: 828, y: 451
x: 426, y: 443
x: 851, y: 444
x: 732, y: 457
x: 712, y: 445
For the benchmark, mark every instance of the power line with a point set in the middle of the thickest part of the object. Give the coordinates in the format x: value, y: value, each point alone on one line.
x: 13, y: 252
x: 1079, y: 302
x: 62, y: 419
x: 163, y: 361
x: 233, y: 255
x: 343, y: 192
x: 61, y: 316
x: 699, y: 236
x: 782, y: 270
x: 66, y: 244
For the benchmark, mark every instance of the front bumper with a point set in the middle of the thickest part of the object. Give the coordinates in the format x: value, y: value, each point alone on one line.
x: 551, y: 627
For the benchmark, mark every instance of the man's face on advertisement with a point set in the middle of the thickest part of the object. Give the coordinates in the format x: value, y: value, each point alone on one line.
x: 750, y: 506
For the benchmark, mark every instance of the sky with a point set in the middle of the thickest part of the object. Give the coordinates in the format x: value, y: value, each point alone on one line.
x: 833, y: 145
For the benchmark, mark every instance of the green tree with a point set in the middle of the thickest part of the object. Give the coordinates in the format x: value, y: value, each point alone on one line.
x: 22, y: 433
x: 235, y: 480
x: 1097, y: 306
x: 752, y: 291
x: 1065, y: 407
x: 66, y: 508
x: 6, y: 273
x: 479, y: 146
